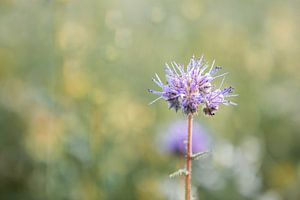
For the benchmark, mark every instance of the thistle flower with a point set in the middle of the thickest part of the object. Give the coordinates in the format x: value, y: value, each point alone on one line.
x: 189, y: 88
x: 174, y: 139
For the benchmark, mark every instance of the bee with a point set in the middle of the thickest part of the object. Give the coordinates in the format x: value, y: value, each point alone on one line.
x: 210, y: 110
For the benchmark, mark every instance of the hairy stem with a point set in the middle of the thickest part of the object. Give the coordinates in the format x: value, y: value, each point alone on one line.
x: 189, y: 158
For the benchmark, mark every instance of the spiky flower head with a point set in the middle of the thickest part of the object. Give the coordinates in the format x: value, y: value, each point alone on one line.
x: 188, y: 88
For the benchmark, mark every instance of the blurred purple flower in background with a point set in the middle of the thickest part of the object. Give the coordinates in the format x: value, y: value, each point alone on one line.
x: 174, y: 139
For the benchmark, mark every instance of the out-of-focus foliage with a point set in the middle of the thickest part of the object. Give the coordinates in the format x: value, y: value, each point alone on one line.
x: 74, y: 119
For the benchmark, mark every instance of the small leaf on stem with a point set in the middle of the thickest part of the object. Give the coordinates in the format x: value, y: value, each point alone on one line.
x: 180, y: 172
x: 196, y: 156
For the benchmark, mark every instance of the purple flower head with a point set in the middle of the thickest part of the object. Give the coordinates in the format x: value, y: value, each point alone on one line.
x: 174, y: 140
x: 187, y: 89
x: 215, y: 98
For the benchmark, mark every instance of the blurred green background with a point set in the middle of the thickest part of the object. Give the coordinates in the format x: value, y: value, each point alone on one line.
x: 74, y: 116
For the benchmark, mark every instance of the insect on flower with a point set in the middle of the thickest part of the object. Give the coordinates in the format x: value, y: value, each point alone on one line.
x: 188, y: 88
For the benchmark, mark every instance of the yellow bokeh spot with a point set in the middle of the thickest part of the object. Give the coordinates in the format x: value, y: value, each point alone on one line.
x: 281, y: 28
x: 191, y: 9
x: 282, y: 175
x: 45, y: 134
x: 124, y: 113
x: 75, y: 79
x: 73, y: 36
x: 148, y: 189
